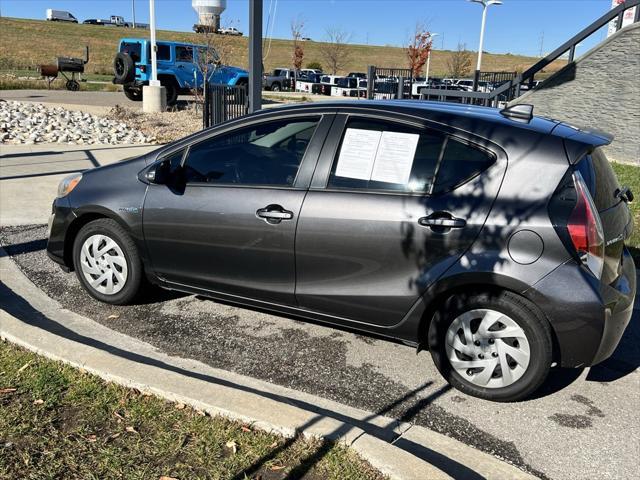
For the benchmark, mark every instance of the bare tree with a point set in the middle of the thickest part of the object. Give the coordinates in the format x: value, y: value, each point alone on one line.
x: 215, y: 51
x: 336, y: 51
x: 297, y: 26
x: 459, y: 63
x: 418, y: 48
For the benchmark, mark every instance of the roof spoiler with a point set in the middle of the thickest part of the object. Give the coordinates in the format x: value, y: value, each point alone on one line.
x: 519, y: 113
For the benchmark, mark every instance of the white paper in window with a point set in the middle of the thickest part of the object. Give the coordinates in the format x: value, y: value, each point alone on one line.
x: 394, y: 159
x: 358, y: 153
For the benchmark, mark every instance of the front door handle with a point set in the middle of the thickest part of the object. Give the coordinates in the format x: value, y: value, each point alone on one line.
x: 442, y: 222
x: 274, y: 214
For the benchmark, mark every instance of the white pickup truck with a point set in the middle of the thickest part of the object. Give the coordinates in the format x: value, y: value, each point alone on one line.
x: 229, y: 31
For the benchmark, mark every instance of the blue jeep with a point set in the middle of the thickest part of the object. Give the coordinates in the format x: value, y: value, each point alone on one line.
x: 179, y: 68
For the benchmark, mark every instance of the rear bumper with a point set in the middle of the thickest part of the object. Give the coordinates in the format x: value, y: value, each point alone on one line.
x: 588, y: 318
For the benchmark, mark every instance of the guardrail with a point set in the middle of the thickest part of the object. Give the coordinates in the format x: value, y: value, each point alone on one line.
x: 511, y: 89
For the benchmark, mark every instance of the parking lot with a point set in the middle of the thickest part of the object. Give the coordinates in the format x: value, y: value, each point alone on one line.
x: 578, y: 425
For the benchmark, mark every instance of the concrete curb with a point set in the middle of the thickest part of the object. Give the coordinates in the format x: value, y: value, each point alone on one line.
x: 31, y: 319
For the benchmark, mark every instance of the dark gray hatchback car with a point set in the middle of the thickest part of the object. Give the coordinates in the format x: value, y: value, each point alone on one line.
x: 493, y: 238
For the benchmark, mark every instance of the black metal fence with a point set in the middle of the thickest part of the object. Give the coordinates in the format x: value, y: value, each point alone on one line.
x: 389, y: 83
x: 224, y: 102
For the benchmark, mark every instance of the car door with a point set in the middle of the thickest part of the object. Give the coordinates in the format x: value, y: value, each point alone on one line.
x: 186, y: 69
x: 228, y: 223
x: 372, y: 239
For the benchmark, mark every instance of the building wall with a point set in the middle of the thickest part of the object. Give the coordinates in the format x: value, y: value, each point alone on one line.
x: 600, y: 90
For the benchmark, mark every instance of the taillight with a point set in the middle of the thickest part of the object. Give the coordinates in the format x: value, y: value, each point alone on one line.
x: 143, y: 68
x: 585, y: 228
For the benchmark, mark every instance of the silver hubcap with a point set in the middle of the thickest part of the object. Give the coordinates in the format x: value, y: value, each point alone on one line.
x: 103, y: 264
x: 487, y: 348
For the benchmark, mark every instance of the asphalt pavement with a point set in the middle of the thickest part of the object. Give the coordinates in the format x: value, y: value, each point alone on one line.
x: 582, y: 424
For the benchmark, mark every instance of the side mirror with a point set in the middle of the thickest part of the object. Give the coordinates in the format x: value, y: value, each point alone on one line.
x: 156, y: 174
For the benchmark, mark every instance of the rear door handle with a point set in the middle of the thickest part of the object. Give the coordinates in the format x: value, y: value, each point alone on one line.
x: 274, y: 214
x: 443, y: 222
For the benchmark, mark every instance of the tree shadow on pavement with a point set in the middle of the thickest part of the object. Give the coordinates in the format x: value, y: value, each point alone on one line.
x: 19, y: 308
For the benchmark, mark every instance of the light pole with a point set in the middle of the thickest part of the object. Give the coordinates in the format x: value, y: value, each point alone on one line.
x: 133, y: 13
x: 429, y: 56
x: 154, y: 95
x: 485, y: 5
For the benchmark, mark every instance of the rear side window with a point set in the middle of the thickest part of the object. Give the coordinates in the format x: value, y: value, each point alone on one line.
x: 460, y: 163
x: 415, y: 160
x: 164, y: 52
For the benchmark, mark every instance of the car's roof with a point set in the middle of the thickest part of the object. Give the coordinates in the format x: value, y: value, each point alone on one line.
x: 472, y: 118
x: 167, y: 42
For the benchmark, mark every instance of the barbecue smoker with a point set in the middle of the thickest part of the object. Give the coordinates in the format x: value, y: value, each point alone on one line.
x: 70, y: 68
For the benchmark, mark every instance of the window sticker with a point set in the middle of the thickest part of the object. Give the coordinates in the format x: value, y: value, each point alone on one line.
x: 358, y: 153
x: 394, y: 159
x: 379, y: 156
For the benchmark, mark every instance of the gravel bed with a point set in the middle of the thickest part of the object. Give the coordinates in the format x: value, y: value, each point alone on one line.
x: 31, y: 123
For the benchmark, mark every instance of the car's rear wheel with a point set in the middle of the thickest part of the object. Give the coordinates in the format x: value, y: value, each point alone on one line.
x: 495, y: 346
x: 275, y: 87
x: 133, y: 94
x: 107, y: 263
x: 172, y: 91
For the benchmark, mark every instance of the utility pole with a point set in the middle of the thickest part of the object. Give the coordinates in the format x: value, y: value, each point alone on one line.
x: 255, y: 55
x: 133, y: 12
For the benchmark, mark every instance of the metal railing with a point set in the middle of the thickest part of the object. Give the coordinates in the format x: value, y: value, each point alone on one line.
x: 511, y: 89
x: 223, y: 102
x: 389, y: 83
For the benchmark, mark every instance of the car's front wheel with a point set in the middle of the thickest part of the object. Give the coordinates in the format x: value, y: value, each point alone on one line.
x: 495, y: 346
x: 106, y: 262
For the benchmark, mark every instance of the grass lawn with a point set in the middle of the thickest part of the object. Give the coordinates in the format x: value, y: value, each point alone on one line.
x: 629, y: 176
x: 60, y: 422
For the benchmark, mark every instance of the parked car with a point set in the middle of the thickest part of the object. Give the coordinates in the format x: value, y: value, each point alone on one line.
x: 493, y: 238
x: 229, y: 31
x: 280, y: 78
x: 60, y: 16
x: 179, y: 69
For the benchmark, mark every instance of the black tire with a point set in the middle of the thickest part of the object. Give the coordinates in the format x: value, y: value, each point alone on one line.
x: 526, y: 315
x: 135, y: 274
x: 133, y: 94
x: 275, y: 87
x: 72, y: 85
x: 124, y: 68
x: 171, y: 88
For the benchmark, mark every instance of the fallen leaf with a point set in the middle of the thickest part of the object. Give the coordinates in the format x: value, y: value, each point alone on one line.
x: 90, y: 438
x: 273, y: 445
x: 114, y: 435
x: 231, y: 444
x: 164, y: 477
x: 275, y: 468
x: 113, y: 317
x: 38, y: 402
x: 115, y: 413
x: 131, y: 430
x: 202, y: 413
x: 24, y: 366
x: 7, y: 390
x: 180, y: 406
x: 245, y: 429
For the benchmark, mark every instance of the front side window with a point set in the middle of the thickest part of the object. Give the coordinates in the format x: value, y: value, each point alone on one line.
x: 265, y: 154
x: 184, y: 54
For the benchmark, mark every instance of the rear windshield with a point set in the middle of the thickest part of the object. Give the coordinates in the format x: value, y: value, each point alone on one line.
x: 133, y: 49
x: 600, y: 178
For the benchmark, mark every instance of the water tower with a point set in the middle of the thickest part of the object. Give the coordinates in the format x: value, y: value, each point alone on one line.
x: 209, y: 12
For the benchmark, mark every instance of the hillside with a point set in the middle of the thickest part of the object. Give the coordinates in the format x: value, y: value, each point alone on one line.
x: 29, y: 43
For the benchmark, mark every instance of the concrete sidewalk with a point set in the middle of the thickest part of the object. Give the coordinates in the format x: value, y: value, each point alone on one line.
x: 33, y: 320
x: 33, y: 172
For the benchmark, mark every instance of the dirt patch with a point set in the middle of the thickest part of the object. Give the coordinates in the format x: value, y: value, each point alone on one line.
x: 162, y: 127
